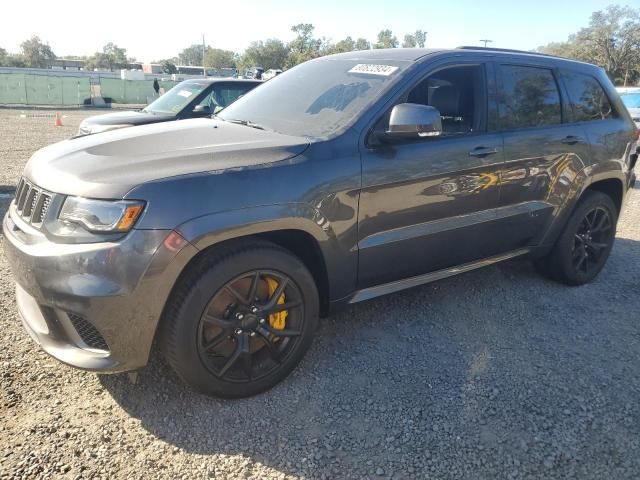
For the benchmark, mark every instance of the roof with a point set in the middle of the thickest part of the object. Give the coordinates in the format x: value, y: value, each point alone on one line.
x: 221, y: 79
x: 415, y: 54
x: 397, y: 54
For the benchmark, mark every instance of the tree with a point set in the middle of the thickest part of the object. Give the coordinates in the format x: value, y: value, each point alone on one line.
x: 169, y: 67
x: 191, y: 55
x: 362, y: 44
x: 9, y: 60
x: 346, y: 45
x: 304, y: 47
x: 612, y: 40
x: 409, y: 41
x: 386, y: 39
x: 36, y: 54
x: 271, y: 53
x: 420, y: 38
x: 217, y: 58
x: 111, y: 58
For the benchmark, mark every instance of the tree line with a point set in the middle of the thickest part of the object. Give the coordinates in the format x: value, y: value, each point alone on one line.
x: 270, y: 53
x: 276, y: 54
x: 611, y: 40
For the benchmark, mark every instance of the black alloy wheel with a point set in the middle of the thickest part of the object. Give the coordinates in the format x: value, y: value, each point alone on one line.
x: 583, y: 247
x: 240, y: 319
x: 248, y: 328
x: 592, y: 239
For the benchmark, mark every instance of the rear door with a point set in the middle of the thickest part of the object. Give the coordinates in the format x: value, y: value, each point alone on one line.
x: 543, y: 150
x: 607, y: 131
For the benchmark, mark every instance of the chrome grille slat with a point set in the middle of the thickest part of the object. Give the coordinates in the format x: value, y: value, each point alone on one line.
x: 40, y: 209
x: 23, y: 196
x: 30, y: 202
x: 19, y: 188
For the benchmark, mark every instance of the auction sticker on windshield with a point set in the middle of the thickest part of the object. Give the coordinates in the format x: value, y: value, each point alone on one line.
x: 185, y: 93
x: 371, y: 69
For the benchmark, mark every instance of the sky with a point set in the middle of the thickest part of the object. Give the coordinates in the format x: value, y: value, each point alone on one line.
x: 161, y: 29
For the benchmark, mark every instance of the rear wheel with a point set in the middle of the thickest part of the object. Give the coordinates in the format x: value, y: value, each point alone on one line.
x: 242, y: 320
x: 586, y: 242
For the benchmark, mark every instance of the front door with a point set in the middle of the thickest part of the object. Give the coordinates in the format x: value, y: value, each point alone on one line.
x: 430, y: 203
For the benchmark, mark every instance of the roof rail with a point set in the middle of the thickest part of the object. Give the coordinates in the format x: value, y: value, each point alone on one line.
x: 508, y: 50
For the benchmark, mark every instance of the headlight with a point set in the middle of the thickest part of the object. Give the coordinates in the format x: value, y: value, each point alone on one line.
x: 101, y: 216
x: 91, y: 129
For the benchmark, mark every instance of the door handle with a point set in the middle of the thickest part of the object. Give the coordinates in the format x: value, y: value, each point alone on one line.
x: 571, y: 140
x: 483, y: 151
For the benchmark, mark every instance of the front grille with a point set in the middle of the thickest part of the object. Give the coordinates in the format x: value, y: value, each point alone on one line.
x: 32, y: 203
x: 88, y: 333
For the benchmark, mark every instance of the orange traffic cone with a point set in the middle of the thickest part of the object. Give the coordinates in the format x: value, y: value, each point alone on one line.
x: 58, y: 122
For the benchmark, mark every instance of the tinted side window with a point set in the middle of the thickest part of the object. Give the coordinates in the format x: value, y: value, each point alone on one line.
x: 587, y: 98
x: 224, y: 95
x: 529, y: 98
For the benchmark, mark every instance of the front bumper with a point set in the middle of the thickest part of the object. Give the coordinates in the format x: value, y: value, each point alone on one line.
x: 94, y: 306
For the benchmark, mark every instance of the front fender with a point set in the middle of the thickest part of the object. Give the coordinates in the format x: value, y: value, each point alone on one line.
x: 340, y: 258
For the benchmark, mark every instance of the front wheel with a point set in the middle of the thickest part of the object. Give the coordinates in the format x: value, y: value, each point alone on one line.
x: 242, y: 320
x: 586, y: 242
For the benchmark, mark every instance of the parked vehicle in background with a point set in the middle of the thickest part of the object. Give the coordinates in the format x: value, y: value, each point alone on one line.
x: 631, y: 98
x: 344, y: 178
x: 269, y: 74
x: 255, y: 73
x: 194, y: 98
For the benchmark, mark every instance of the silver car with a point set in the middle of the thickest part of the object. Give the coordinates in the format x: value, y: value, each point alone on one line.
x: 631, y: 99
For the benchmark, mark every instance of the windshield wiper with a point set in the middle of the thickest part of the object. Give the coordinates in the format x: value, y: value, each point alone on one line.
x: 247, y: 123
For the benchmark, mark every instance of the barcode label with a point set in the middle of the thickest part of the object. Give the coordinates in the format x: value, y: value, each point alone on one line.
x: 384, y: 70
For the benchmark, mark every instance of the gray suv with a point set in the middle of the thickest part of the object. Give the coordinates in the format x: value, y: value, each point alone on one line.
x: 344, y: 178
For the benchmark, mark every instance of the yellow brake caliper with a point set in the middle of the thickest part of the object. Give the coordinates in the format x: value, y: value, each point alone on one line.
x: 278, y: 320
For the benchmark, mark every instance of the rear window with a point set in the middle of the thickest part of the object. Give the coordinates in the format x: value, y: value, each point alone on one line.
x: 587, y: 97
x: 529, y: 98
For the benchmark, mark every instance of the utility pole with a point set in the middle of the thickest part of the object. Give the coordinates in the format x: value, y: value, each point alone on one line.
x: 485, y: 42
x: 204, y: 70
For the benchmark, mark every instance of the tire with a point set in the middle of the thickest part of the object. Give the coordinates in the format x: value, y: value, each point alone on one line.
x: 581, y: 251
x: 208, y: 307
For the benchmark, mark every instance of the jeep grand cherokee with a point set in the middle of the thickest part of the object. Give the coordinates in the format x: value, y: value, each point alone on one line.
x: 345, y: 178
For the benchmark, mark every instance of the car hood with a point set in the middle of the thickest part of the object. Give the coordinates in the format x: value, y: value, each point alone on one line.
x: 128, y: 117
x: 109, y: 164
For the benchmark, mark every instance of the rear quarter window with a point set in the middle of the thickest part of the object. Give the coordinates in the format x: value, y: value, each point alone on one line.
x: 588, y: 100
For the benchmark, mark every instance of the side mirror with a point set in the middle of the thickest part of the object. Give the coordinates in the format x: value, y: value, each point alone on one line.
x: 202, y: 111
x: 414, y: 120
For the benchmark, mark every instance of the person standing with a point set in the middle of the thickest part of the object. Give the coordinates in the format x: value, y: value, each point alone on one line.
x: 156, y: 86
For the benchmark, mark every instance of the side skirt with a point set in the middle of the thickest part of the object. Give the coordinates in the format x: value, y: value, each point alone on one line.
x: 378, y: 290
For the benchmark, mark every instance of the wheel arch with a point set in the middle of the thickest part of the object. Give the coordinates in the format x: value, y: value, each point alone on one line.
x: 610, y: 182
x: 612, y: 187
x: 299, y: 229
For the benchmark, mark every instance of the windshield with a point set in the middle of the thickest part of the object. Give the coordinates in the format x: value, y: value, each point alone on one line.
x: 318, y: 98
x: 631, y: 100
x: 177, y: 98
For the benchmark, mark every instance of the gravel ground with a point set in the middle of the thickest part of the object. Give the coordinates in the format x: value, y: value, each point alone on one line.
x: 497, y: 373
